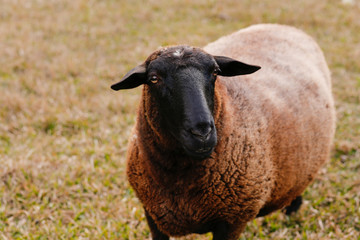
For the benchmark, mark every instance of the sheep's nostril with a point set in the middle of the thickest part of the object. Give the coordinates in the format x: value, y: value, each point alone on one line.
x: 202, y: 132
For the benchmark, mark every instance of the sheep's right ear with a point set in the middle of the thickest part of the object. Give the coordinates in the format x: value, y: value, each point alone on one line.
x: 135, y: 77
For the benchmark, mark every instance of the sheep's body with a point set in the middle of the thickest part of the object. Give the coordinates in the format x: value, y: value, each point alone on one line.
x: 274, y: 129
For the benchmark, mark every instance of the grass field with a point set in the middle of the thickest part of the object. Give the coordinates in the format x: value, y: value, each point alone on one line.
x: 63, y: 132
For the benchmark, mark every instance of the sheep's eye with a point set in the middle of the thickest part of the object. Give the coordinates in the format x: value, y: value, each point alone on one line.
x: 216, y: 72
x: 154, y: 79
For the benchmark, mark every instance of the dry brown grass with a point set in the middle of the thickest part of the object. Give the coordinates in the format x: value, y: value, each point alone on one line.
x: 63, y: 133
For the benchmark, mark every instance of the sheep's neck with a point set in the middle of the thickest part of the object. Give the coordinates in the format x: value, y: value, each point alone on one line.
x: 159, y: 142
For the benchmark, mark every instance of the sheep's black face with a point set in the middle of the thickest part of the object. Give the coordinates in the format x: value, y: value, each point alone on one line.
x: 182, y: 80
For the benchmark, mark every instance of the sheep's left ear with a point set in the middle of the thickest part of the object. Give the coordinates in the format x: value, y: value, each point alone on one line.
x: 135, y: 77
x: 231, y: 67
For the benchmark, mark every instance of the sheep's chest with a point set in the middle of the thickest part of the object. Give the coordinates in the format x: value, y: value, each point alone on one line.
x: 182, y: 202
x: 182, y: 213
x: 186, y: 204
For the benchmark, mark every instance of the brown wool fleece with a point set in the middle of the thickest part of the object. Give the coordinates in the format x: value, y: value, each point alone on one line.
x: 274, y: 127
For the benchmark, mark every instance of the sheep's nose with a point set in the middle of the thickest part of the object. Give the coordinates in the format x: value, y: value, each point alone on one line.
x: 202, y: 130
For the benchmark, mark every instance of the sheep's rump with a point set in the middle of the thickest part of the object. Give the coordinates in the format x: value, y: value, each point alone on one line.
x: 289, y: 99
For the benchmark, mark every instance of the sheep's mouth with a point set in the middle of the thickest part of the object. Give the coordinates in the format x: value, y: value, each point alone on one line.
x: 199, y: 149
x: 200, y: 153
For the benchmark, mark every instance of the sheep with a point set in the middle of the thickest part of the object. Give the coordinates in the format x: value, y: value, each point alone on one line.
x: 218, y: 142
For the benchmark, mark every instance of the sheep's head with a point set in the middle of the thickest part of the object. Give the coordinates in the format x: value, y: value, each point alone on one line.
x: 182, y: 80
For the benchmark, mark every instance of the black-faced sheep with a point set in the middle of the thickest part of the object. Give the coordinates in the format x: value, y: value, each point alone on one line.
x: 211, y: 149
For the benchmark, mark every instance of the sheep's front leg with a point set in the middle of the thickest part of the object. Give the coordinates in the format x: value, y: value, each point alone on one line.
x: 155, y: 232
x: 226, y: 231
